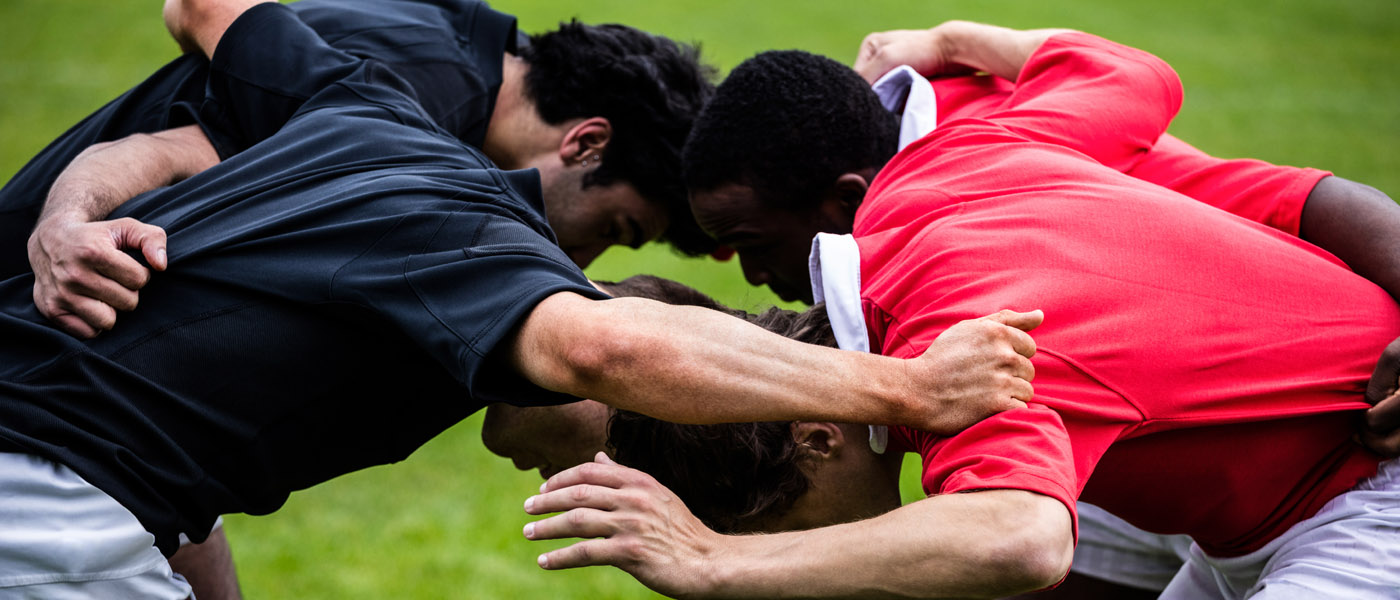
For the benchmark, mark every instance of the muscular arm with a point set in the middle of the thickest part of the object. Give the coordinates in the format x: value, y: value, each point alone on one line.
x: 983, y: 544
x: 1358, y: 224
x: 695, y: 365
x: 81, y: 274
x: 951, y: 47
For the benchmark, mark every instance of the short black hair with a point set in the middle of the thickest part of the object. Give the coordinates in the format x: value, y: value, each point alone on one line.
x: 787, y: 124
x: 732, y: 476
x: 648, y: 87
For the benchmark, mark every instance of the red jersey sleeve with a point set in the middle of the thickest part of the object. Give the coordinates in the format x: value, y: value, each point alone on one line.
x: 1050, y: 447
x: 1265, y: 193
x: 1086, y: 93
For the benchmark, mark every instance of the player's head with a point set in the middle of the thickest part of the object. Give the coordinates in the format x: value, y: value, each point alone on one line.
x: 785, y: 149
x: 634, y: 97
x: 770, y: 476
x: 554, y: 438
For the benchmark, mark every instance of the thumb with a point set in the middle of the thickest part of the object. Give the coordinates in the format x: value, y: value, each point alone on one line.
x: 602, y: 457
x: 1025, y: 321
x: 148, y: 238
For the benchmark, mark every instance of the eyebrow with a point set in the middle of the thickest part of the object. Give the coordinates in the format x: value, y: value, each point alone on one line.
x: 637, y: 237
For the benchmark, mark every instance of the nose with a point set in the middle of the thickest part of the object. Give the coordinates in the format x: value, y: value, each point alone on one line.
x: 754, y: 272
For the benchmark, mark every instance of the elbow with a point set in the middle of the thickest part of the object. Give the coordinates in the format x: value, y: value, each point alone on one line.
x: 583, y: 351
x: 1036, y: 548
x: 598, y: 357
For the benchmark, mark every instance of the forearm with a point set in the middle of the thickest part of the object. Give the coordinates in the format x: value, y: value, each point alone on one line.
x: 694, y: 365
x: 105, y: 176
x: 980, y: 545
x: 996, y: 50
x: 1359, y: 225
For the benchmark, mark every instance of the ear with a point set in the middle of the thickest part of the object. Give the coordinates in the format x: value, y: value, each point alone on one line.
x: 586, y: 140
x: 818, y: 440
x: 841, y: 201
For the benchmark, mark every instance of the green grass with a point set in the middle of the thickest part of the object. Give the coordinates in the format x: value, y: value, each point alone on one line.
x: 1303, y: 82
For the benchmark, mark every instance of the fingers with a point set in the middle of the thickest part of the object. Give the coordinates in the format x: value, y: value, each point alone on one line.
x: 605, y: 474
x: 1384, y: 417
x: 1384, y: 382
x: 1024, y: 321
x: 74, y: 326
x: 78, y: 316
x: 109, y: 279
x: 588, y: 553
x: 578, y: 496
x: 576, y: 523
x: 1387, y: 445
x: 867, y: 64
x: 148, y: 238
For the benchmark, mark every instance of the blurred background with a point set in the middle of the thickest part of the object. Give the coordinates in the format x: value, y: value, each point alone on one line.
x: 1300, y: 82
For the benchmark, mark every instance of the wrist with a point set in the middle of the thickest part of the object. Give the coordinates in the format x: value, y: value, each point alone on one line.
x: 899, y: 394
x: 949, y: 41
x: 73, y: 200
x: 729, y: 573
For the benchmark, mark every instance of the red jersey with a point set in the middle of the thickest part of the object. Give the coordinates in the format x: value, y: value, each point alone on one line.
x: 1256, y: 190
x: 1205, y: 370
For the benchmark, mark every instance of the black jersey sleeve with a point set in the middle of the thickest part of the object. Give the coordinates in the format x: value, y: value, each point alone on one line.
x: 266, y: 66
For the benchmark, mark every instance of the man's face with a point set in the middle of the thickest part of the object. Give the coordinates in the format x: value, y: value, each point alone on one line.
x: 773, y: 244
x: 548, y: 438
x: 587, y: 220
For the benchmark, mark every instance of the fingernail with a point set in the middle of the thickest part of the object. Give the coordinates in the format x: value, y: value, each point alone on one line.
x: 529, y: 531
x: 543, y: 561
x: 543, y: 485
x: 529, y: 503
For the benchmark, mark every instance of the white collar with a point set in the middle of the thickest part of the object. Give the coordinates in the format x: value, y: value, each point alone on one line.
x: 903, y: 91
x: 835, y: 267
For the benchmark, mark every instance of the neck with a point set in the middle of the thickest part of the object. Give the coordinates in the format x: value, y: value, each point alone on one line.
x: 859, y: 487
x: 516, y: 136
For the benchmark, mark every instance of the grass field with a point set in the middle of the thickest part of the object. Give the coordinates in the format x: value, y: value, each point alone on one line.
x: 1303, y: 82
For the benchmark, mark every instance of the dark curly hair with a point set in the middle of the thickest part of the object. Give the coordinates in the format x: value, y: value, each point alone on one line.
x: 648, y: 87
x: 732, y: 476
x: 787, y: 124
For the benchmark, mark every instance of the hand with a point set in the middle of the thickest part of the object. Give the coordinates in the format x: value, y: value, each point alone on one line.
x: 926, y: 50
x: 979, y: 367
x: 642, y: 528
x: 81, y: 274
x: 1382, y: 431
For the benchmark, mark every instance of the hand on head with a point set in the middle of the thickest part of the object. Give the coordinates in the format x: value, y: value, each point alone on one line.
x: 628, y: 521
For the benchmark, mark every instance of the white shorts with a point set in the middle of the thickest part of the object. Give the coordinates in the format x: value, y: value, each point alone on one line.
x: 61, y: 538
x: 1350, y: 549
x: 1112, y: 550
